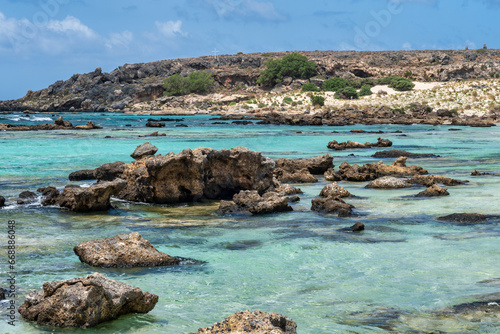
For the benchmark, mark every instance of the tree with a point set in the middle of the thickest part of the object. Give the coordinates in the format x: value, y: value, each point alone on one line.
x: 292, y: 65
x: 200, y: 82
x: 175, y: 85
x: 401, y: 84
x: 317, y: 100
x: 334, y: 84
x: 309, y: 87
x: 365, y: 90
x: 347, y: 93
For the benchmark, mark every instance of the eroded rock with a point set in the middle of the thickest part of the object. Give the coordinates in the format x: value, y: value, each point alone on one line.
x: 433, y: 191
x: 144, y: 150
x: 389, y: 182
x: 249, y: 201
x: 334, y: 190
x: 332, y: 205
x: 355, y: 145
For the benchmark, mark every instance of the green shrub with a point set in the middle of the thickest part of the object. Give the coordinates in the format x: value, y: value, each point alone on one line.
x: 408, y: 74
x: 355, y: 83
x: 195, y: 82
x: 368, y: 81
x: 317, y: 100
x: 334, y: 84
x: 288, y: 100
x: 262, y: 105
x: 401, y: 84
x: 365, y: 90
x: 232, y: 104
x: 267, y: 54
x: 347, y: 93
x: 309, y: 87
x: 292, y: 65
x: 386, y: 80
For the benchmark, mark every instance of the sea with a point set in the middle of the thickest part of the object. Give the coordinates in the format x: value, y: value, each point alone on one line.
x: 397, y: 276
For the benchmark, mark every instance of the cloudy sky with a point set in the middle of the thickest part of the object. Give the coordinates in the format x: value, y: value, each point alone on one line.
x: 42, y: 41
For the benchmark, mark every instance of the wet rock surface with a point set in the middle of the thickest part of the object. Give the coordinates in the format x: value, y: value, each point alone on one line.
x: 332, y: 205
x: 250, y: 202
x: 467, y: 218
x: 401, y: 153
x: 334, y: 190
x: 433, y: 191
x: 389, y: 182
x: 256, y: 322
x: 122, y: 251
x: 84, y: 302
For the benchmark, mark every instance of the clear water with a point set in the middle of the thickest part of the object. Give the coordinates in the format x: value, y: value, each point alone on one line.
x: 405, y: 265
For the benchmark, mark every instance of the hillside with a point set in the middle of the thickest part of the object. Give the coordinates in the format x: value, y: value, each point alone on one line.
x: 138, y: 87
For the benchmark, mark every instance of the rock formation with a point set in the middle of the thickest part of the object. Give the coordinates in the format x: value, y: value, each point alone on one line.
x: 354, y: 145
x: 84, y: 302
x: 144, y: 150
x: 2, y: 201
x: 332, y: 205
x: 389, y: 182
x: 122, y: 251
x: 433, y: 191
x: 249, y: 201
x: 59, y: 124
x: 401, y: 153
x: 256, y: 322
x: 465, y: 218
x: 334, y: 190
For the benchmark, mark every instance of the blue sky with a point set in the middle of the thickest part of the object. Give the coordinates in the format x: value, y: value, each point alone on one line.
x: 42, y: 41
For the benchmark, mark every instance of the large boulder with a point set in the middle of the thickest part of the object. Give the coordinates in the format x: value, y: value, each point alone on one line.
x: 193, y: 175
x: 315, y: 165
x: 465, y: 218
x: 256, y: 322
x: 122, y: 251
x: 332, y: 205
x: 81, y: 175
x: 2, y: 201
x: 296, y: 176
x: 433, y: 191
x: 144, y: 150
x: 110, y: 171
x: 334, y: 190
x: 389, y: 182
x: 94, y: 198
x: 84, y: 302
x: 49, y: 195
x: 249, y: 201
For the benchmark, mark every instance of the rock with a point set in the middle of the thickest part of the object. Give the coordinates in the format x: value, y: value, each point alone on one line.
x: 88, y: 126
x: 315, y: 165
x: 2, y: 293
x: 334, y: 190
x: 144, y: 150
x: 332, y: 205
x: 84, y: 302
x: 287, y: 189
x: 193, y: 175
x: 401, y: 153
x: 468, y: 218
x: 81, y: 175
x: 428, y: 180
x: 331, y: 175
x: 27, y: 195
x: 249, y: 201
x: 94, y: 198
x: 155, y: 124
x: 488, y: 307
x: 389, y: 182
x: 354, y: 145
x: 110, y: 171
x: 298, y: 176
x: 49, y: 195
x: 2, y: 201
x: 358, y: 227
x: 476, y: 173
x: 256, y: 322
x: 433, y: 191
x: 122, y: 251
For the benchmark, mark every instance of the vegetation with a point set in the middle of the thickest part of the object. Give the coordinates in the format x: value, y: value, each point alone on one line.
x: 310, y: 87
x: 292, y: 65
x: 334, y: 84
x: 288, y: 100
x: 365, y: 90
x: 401, y: 84
x: 195, y: 82
x: 317, y: 100
x: 347, y: 93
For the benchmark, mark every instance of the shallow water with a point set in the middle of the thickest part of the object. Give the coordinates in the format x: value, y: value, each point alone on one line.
x: 393, y: 276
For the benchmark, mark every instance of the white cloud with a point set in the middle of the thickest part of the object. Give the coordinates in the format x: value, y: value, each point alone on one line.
x: 70, y: 25
x: 228, y: 9
x: 120, y: 40
x: 170, y: 28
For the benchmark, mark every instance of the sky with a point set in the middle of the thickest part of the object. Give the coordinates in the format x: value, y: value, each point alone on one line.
x: 42, y: 41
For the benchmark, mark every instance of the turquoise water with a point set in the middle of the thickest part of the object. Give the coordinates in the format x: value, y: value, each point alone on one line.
x: 405, y: 265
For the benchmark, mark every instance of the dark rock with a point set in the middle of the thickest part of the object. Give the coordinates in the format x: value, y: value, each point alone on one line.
x: 84, y: 302
x: 94, y: 198
x: 401, y: 153
x: 433, y: 191
x: 389, y: 182
x: 110, y: 171
x: 2, y: 201
x: 467, y: 218
x: 249, y: 201
x: 27, y: 195
x: 181, y: 126
x: 256, y: 322
x: 122, y: 251
x: 354, y: 145
x: 315, y: 165
x: 334, y: 190
x: 49, y: 195
x: 476, y: 173
x: 242, y: 122
x: 155, y: 124
x: 358, y: 227
x: 444, y: 113
x: 332, y: 205
x: 88, y: 126
x: 2, y: 293
x: 81, y: 175
x: 294, y: 199
x: 297, y: 176
x: 428, y: 180
x: 144, y: 150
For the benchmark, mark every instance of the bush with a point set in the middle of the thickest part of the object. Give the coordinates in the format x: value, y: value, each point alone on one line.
x: 292, y: 65
x: 401, y: 84
x: 310, y: 87
x: 347, y: 93
x: 195, y: 82
x: 365, y: 90
x: 334, y: 84
x: 288, y: 100
x: 262, y: 105
x: 317, y: 100
x: 355, y: 83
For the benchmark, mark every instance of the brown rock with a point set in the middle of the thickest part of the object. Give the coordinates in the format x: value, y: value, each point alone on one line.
x: 110, y: 171
x: 88, y: 126
x: 49, y: 195
x: 433, y: 191
x: 84, y: 302
x: 287, y: 189
x: 428, y: 180
x: 315, y: 165
x: 332, y: 205
x: 256, y: 322
x: 249, y: 201
x: 144, y: 150
x: 358, y: 227
x: 298, y: 176
x: 389, y: 182
x: 81, y: 175
x: 122, y: 251
x: 334, y: 190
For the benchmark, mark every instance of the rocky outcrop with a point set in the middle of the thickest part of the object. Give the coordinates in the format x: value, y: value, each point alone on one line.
x: 94, y: 198
x: 297, y: 176
x: 287, y: 189
x: 193, y: 175
x: 316, y: 165
x: 59, y: 124
x: 81, y: 175
x: 428, y: 180
x: 401, y: 153
x: 465, y: 218
x: 256, y: 322
x: 487, y: 307
x: 2, y: 201
x: 122, y: 251
x: 433, y: 191
x: 354, y: 145
x: 110, y: 171
x: 144, y: 150
x: 84, y: 302
x: 332, y: 205
x: 49, y: 195
x: 389, y: 182
x: 251, y: 202
x: 151, y: 124
x: 334, y: 190
x: 374, y: 170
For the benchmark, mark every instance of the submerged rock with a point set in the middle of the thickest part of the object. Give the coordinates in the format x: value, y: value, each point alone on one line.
x: 332, y: 205
x: 428, y: 180
x: 354, y: 145
x: 468, y: 218
x: 94, y: 198
x: 433, y: 191
x: 389, y: 182
x: 84, y: 302
x: 334, y: 190
x: 401, y: 153
x: 2, y: 201
x: 249, y: 201
x: 144, y: 150
x: 122, y: 251
x: 256, y: 322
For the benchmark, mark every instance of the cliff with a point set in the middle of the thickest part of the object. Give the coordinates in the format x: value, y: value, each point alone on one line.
x: 134, y: 83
